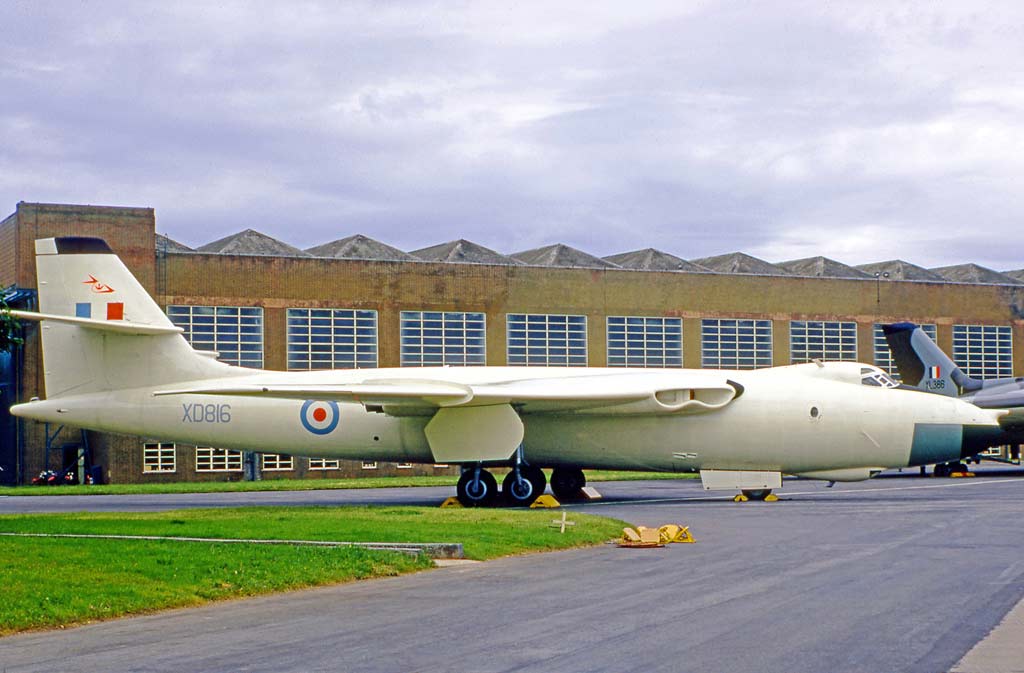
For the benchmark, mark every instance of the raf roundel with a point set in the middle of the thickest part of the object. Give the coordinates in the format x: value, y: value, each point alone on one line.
x: 320, y: 418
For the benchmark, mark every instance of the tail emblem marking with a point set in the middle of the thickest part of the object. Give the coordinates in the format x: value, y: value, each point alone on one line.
x: 934, y: 372
x: 97, y: 286
x: 114, y: 309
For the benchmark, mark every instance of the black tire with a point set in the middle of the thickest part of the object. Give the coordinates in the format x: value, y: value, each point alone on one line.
x: 757, y: 493
x: 567, y: 483
x: 941, y: 470
x: 480, y: 494
x: 519, y: 490
x: 536, y: 477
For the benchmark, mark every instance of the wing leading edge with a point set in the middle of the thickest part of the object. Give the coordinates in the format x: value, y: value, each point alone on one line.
x: 604, y: 394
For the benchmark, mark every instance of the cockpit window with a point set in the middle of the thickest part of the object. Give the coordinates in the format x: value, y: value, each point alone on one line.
x: 873, y: 376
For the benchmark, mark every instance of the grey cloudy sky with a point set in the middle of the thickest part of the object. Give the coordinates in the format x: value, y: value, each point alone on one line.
x: 858, y: 130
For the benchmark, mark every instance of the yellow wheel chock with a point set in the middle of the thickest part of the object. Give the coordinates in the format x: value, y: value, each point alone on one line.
x: 740, y: 498
x: 641, y: 537
x: 545, y: 502
x: 771, y: 497
x: 451, y: 502
x: 671, y: 533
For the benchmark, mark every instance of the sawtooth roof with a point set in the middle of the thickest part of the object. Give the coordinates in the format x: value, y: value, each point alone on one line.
x: 650, y: 259
x: 360, y: 247
x: 975, y: 273
x: 562, y: 255
x: 462, y: 251
x: 900, y: 270
x: 167, y: 244
x: 821, y: 267
x: 251, y: 242
x: 740, y: 262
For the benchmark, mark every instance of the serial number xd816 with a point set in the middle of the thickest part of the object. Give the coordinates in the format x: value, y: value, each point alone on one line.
x: 206, y: 413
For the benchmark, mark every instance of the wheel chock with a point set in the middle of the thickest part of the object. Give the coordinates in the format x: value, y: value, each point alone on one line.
x: 740, y: 498
x: 771, y: 497
x: 545, y: 502
x: 961, y: 475
x: 451, y: 502
x: 641, y: 537
x: 673, y: 533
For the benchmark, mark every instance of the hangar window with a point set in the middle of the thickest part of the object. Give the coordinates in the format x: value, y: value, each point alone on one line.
x: 983, y: 351
x: 235, y: 332
x: 275, y: 462
x: 729, y: 343
x: 635, y: 341
x: 331, y: 338
x: 158, y: 457
x: 209, y: 459
x: 324, y: 464
x: 883, y: 356
x: 822, y: 340
x: 369, y: 465
x: 547, y: 340
x: 433, y: 338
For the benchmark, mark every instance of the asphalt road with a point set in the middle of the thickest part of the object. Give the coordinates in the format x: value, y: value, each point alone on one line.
x: 897, y: 574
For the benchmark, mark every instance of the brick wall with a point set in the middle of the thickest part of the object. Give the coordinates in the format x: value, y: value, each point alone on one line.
x: 390, y: 287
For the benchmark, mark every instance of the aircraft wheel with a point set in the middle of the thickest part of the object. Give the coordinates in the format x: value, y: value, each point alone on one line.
x: 941, y: 470
x: 758, y: 493
x: 473, y: 492
x: 518, y: 489
x: 536, y: 477
x: 566, y: 483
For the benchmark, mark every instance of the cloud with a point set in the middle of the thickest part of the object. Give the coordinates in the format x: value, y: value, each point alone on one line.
x: 861, y: 132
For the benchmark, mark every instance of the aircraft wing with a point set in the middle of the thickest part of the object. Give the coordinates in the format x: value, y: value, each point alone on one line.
x: 481, y: 421
x: 632, y: 393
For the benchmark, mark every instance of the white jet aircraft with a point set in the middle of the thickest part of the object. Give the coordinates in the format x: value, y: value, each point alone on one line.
x: 114, y: 362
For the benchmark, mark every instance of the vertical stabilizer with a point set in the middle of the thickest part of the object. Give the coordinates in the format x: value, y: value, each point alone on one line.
x: 922, y: 363
x: 82, y: 278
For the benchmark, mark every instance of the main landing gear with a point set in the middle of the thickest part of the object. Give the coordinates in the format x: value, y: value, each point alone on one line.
x: 567, y: 483
x: 478, y: 488
x: 523, y: 484
x: 946, y: 469
x: 763, y: 494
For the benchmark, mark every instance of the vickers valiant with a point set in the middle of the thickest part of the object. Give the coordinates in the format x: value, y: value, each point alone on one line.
x: 114, y: 362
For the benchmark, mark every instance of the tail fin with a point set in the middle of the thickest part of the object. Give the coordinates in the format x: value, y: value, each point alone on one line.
x: 922, y: 363
x: 101, y: 330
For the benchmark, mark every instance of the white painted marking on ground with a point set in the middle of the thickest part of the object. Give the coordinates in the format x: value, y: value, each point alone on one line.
x: 1001, y: 651
x: 783, y: 493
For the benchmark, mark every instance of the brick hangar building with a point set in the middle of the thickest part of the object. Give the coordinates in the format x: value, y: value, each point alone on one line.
x: 356, y: 302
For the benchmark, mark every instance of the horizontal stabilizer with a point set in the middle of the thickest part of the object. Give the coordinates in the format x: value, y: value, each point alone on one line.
x: 113, y: 326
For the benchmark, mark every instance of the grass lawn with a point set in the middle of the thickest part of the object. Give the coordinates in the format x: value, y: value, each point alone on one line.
x: 302, y: 484
x: 52, y: 582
